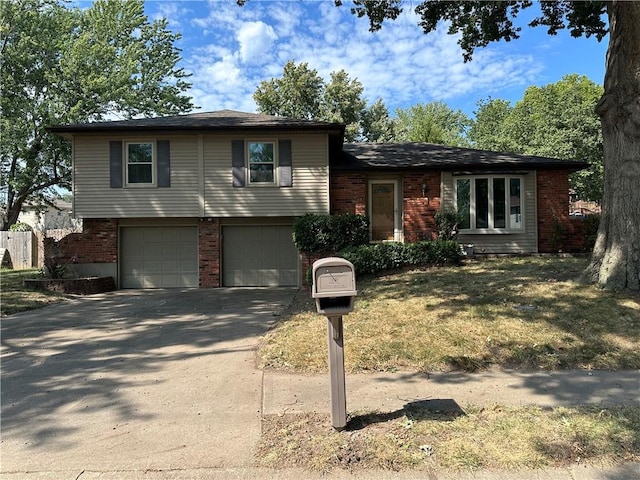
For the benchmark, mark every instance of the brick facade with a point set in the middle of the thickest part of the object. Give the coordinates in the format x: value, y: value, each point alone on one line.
x: 557, y: 232
x: 348, y: 193
x: 209, y: 251
x: 98, y: 243
x: 418, y: 210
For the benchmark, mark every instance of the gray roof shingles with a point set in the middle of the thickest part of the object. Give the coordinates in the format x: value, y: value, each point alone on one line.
x: 402, y: 156
x: 352, y: 156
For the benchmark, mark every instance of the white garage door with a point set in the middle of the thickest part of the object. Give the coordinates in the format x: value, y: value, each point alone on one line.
x: 158, y: 257
x: 259, y: 256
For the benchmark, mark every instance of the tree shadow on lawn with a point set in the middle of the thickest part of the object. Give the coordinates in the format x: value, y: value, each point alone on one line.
x: 597, y: 328
x: 84, y: 355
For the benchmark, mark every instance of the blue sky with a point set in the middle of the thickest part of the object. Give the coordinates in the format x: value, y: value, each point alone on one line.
x: 230, y: 50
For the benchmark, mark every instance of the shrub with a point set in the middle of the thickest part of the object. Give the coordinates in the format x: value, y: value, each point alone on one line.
x: 20, y: 227
x: 313, y: 233
x: 447, y: 224
x: 591, y: 224
x: 370, y: 259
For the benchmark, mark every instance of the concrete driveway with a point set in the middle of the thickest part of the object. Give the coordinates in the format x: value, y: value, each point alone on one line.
x: 135, y: 380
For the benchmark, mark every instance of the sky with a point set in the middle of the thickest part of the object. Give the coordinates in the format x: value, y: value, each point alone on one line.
x: 229, y: 50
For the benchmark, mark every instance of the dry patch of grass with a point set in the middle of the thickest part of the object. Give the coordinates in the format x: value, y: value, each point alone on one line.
x: 511, y: 313
x: 14, y: 297
x: 495, y: 437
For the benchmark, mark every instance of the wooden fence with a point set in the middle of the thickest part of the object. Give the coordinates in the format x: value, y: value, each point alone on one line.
x: 22, y: 247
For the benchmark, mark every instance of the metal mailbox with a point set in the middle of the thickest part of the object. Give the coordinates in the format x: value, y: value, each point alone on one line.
x: 334, y: 286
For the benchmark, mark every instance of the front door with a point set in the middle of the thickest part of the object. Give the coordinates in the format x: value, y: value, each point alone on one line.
x: 382, y: 200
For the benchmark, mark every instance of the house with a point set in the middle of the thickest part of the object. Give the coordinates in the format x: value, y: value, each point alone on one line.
x: 49, y: 217
x: 209, y: 199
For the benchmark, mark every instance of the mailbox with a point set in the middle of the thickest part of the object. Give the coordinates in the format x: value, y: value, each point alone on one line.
x: 334, y: 286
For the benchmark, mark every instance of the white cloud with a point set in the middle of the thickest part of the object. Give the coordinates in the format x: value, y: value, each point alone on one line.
x: 256, y: 39
x: 238, y: 47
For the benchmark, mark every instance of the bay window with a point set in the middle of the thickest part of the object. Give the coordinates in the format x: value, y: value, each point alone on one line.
x: 491, y: 203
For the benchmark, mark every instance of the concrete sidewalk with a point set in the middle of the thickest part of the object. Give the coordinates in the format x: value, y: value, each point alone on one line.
x: 388, y: 392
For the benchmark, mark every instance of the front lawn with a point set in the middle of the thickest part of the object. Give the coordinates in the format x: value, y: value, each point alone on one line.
x: 525, y: 312
x: 14, y: 297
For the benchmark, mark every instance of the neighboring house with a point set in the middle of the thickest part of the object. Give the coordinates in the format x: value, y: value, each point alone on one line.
x: 49, y: 217
x: 209, y: 199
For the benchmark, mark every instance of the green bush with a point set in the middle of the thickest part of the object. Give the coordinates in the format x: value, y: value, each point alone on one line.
x: 313, y: 233
x: 374, y: 258
x: 20, y: 227
x: 447, y: 224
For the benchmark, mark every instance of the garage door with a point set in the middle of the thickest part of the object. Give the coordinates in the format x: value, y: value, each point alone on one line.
x: 158, y: 257
x: 259, y: 256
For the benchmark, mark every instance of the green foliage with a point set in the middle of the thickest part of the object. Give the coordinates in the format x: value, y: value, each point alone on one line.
x: 374, y: 258
x: 314, y: 233
x: 20, y: 227
x: 72, y: 65
x: 557, y: 120
x: 447, y: 224
x: 432, y: 122
x: 302, y: 93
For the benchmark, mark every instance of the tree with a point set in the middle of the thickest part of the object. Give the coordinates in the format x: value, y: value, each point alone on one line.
x: 302, y: 93
x: 377, y: 126
x: 615, y: 261
x: 432, y: 122
x: 297, y: 94
x: 556, y: 120
x: 343, y: 103
x: 487, y: 131
x: 63, y: 65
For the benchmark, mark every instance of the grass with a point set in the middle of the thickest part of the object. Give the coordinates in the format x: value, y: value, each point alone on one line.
x: 14, y: 297
x: 526, y: 312
x: 494, y: 437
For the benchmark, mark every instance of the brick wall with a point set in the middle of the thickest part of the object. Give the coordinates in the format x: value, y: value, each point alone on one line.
x: 348, y: 193
x: 98, y: 243
x: 418, y: 210
x: 557, y: 232
x: 209, y: 248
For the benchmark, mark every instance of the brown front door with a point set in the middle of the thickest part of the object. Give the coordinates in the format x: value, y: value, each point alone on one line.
x: 382, y: 211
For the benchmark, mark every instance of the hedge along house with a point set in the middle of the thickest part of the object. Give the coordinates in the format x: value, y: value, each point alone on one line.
x: 209, y: 199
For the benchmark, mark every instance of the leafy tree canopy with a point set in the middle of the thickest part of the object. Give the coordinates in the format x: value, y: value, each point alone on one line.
x: 302, y: 93
x: 432, y: 122
x: 67, y: 65
x: 556, y: 120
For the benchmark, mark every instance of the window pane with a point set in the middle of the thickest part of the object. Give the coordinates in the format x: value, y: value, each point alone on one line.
x: 515, y: 203
x: 463, y: 201
x: 261, y: 173
x: 260, y: 152
x: 499, y: 203
x: 140, y: 153
x: 482, y: 203
x: 140, y: 173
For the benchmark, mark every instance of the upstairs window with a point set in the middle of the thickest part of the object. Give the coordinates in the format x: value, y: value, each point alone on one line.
x: 490, y: 204
x: 140, y: 162
x: 262, y: 164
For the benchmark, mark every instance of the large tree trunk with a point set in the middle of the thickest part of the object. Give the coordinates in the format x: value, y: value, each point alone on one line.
x: 615, y: 262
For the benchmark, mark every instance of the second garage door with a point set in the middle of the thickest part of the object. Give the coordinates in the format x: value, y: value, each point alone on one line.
x: 158, y: 257
x: 259, y: 256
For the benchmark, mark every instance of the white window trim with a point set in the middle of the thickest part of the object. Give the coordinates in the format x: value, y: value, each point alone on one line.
x: 154, y: 161
x: 472, y: 209
x: 248, y: 182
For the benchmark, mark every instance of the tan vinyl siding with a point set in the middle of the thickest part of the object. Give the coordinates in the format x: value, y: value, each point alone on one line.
x: 309, y: 193
x: 94, y: 198
x: 525, y: 242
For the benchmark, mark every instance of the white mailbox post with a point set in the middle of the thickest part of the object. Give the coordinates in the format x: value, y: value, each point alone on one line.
x: 334, y: 288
